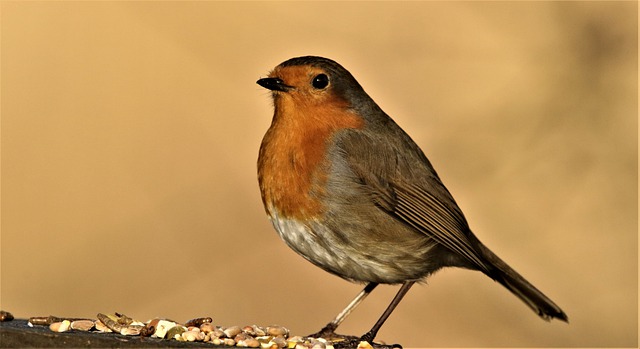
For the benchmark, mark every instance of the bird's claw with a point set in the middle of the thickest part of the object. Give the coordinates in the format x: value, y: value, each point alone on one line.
x: 343, y: 341
x: 357, y: 343
x: 328, y: 333
x: 333, y: 337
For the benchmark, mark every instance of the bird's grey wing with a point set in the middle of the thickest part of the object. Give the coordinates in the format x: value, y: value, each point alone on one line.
x: 405, y: 186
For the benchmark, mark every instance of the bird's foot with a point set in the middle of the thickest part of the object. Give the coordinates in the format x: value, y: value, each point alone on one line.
x: 328, y: 333
x: 366, y: 341
x: 363, y: 344
x: 342, y: 341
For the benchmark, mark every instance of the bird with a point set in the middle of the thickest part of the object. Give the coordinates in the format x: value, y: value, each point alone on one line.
x: 348, y: 189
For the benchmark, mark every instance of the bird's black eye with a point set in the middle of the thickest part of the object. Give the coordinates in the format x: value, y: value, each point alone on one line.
x: 320, y: 81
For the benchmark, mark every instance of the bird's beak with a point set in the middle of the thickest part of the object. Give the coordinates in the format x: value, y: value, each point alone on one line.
x: 274, y: 84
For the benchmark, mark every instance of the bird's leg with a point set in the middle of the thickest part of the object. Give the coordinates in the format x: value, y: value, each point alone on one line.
x: 369, y: 336
x: 328, y: 331
x: 352, y: 342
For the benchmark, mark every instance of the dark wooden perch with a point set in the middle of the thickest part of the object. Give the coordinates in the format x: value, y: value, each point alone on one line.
x: 17, y: 334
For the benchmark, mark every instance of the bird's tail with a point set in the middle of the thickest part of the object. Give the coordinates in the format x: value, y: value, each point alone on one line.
x: 514, y: 282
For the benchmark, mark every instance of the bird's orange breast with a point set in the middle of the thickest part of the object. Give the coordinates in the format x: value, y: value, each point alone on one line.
x: 292, y: 164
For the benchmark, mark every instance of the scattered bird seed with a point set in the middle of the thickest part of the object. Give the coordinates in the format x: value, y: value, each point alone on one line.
x: 162, y: 327
x: 62, y: 326
x: 101, y: 327
x: 207, y: 327
x: 195, y: 330
x: 277, y: 331
x: 82, y: 325
x: 48, y: 320
x: 5, y: 316
x: 175, y: 332
x: 121, y: 324
x: 364, y: 345
x: 192, y: 335
x: 232, y: 331
x: 197, y: 322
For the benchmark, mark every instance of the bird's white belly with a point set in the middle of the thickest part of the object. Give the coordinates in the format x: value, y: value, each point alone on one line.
x: 317, y: 244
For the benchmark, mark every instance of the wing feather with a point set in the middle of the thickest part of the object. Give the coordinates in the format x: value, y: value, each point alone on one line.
x: 408, y: 189
x: 427, y: 214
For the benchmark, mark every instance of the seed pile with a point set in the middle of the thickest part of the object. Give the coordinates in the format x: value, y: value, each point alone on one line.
x: 5, y: 316
x: 195, y: 330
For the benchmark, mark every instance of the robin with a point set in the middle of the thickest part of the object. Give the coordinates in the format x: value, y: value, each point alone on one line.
x: 347, y: 189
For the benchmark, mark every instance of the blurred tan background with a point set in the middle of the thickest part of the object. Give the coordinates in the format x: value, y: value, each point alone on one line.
x: 130, y: 133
